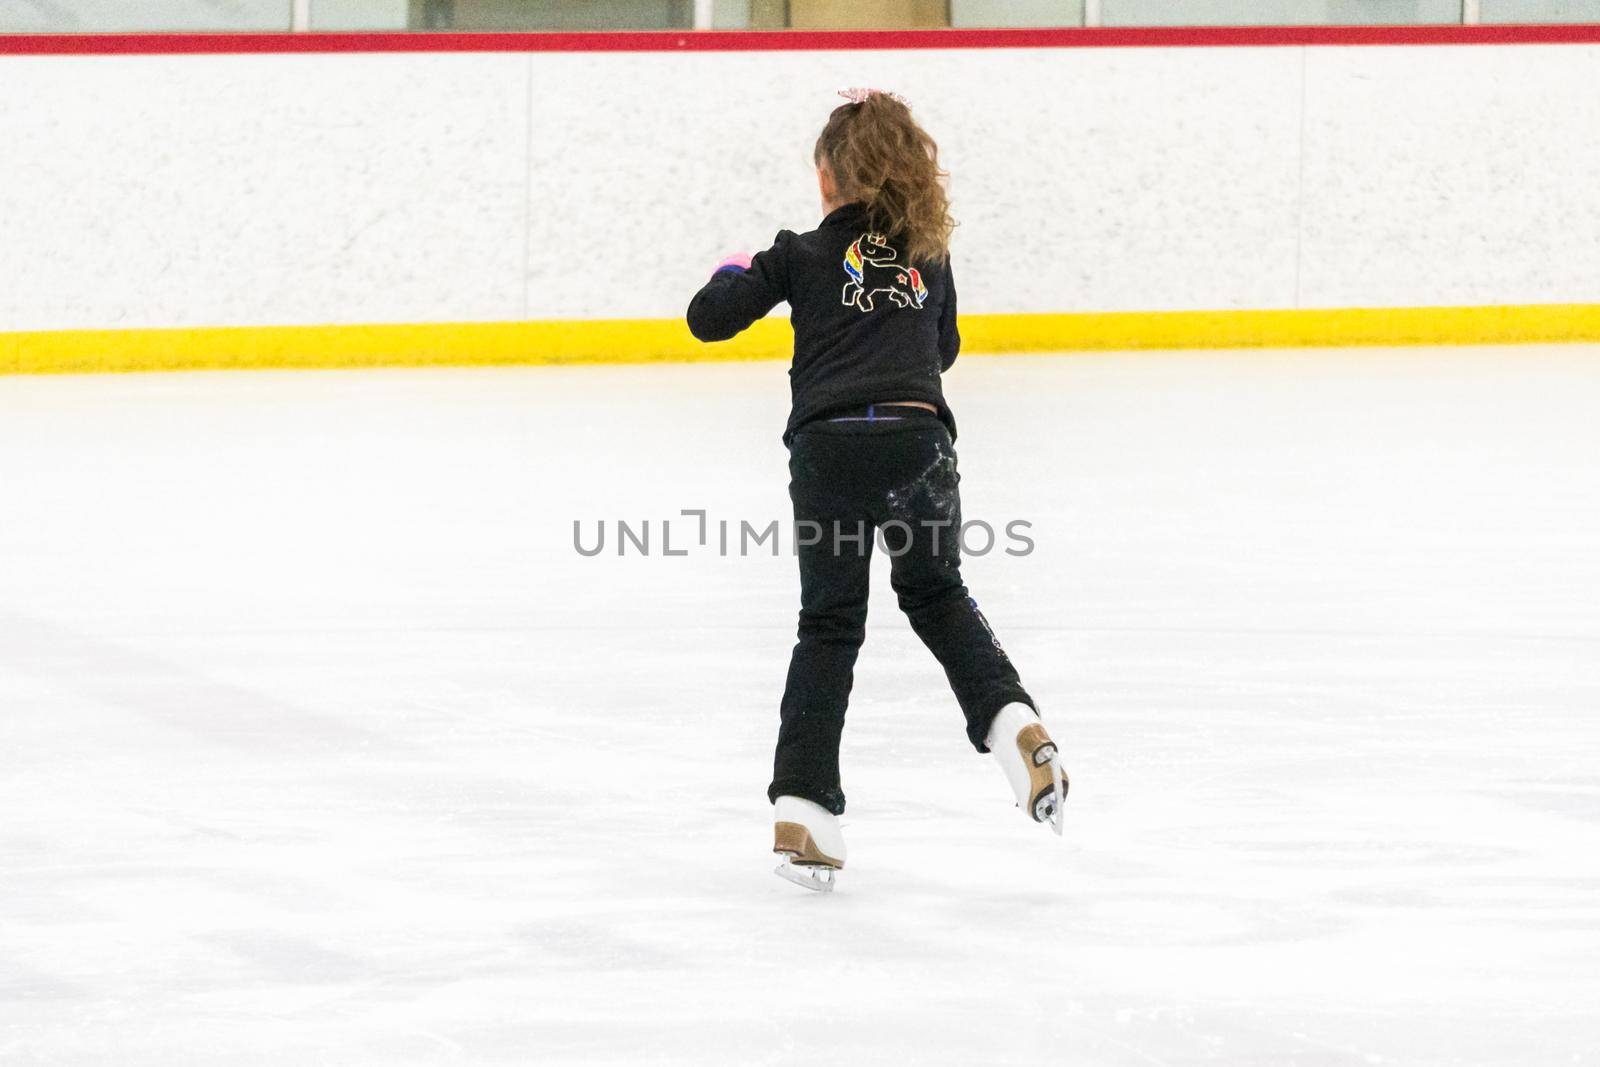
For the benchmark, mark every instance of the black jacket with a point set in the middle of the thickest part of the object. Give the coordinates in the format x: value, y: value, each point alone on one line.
x: 867, y: 328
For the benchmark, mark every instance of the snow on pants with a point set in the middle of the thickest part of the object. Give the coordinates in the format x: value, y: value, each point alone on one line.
x: 850, y: 478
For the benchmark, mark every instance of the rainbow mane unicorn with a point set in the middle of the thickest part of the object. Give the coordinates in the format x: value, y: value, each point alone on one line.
x: 870, y: 263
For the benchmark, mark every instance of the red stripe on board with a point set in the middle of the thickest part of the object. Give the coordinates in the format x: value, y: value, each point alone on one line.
x: 789, y: 40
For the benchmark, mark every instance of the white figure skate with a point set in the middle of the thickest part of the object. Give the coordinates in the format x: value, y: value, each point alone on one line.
x: 1032, y: 764
x: 807, y: 835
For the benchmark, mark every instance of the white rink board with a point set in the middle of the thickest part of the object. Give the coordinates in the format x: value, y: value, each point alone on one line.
x: 311, y: 739
x: 283, y: 189
x: 230, y: 190
x: 1450, y: 176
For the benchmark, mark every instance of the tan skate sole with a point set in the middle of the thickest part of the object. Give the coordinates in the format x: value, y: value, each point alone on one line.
x: 793, y: 840
x: 1037, y: 750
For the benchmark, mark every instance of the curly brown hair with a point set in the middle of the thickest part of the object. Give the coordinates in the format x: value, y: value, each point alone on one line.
x: 879, y: 156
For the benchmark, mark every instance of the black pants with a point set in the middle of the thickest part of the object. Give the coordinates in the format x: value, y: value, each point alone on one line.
x: 849, y: 479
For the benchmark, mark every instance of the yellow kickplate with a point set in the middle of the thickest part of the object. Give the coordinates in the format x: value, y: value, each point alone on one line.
x: 668, y: 340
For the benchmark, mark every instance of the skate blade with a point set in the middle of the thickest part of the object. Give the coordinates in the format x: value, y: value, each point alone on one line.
x: 1058, y: 814
x: 817, y: 879
x: 1049, y: 807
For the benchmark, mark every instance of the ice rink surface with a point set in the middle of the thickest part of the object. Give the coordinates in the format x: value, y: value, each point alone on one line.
x: 320, y: 743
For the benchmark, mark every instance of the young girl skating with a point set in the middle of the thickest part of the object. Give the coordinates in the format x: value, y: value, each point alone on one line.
x: 873, y: 306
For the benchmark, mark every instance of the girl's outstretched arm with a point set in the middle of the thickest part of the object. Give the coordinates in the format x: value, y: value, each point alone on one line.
x: 736, y: 296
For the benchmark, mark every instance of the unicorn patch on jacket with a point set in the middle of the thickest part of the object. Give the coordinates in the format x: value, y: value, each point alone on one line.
x: 870, y: 262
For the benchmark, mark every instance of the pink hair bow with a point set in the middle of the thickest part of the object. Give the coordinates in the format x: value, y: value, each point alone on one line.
x: 858, y: 96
